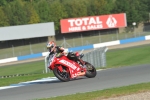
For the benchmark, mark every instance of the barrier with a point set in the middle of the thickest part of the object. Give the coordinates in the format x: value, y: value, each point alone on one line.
x: 29, y: 56
x: 93, y: 46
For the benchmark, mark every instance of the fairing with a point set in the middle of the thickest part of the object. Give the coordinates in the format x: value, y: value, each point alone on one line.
x: 73, y: 67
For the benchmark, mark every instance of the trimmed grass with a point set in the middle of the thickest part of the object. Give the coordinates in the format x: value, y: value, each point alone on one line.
x: 31, y: 67
x: 107, y: 93
x: 15, y: 80
x: 128, y: 56
x: 34, y: 69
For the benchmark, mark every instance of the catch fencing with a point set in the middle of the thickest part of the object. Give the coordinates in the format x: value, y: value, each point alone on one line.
x: 82, y: 40
x: 97, y: 57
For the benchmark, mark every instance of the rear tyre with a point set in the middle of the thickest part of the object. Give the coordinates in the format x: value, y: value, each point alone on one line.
x: 62, y: 76
x: 91, y: 71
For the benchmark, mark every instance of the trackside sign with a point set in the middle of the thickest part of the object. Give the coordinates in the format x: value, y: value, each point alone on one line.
x: 93, y: 23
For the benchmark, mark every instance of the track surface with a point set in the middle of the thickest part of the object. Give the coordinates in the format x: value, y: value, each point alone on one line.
x: 108, y: 78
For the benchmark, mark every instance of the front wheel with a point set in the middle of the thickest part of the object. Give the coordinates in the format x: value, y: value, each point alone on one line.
x: 91, y: 71
x: 61, y: 75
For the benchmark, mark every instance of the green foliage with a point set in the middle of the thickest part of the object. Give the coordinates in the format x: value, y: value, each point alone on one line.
x: 34, y: 17
x: 136, y: 10
x: 43, y: 10
x: 76, y: 8
x: 16, y: 13
x: 3, y: 2
x: 57, y: 12
x: 97, y: 7
x: 3, y: 18
x: 20, y: 12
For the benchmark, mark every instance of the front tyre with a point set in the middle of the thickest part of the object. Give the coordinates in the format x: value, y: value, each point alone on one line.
x: 62, y: 76
x: 91, y: 71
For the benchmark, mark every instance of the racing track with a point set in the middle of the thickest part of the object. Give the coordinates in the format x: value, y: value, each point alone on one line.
x: 105, y: 79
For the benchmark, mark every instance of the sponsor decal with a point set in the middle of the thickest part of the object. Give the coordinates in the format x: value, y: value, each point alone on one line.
x: 93, y: 23
x: 111, y: 22
x: 68, y: 64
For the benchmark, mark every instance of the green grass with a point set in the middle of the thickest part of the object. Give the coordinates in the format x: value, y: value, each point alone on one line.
x: 128, y: 56
x: 107, y: 93
x: 18, y: 79
x: 34, y: 70
x: 32, y: 67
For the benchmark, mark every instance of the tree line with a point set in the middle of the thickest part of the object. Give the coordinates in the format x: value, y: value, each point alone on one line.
x: 21, y: 12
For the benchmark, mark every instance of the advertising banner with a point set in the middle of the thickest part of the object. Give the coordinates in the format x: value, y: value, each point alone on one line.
x: 93, y: 23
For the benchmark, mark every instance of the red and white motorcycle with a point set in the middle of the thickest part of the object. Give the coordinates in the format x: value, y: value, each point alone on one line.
x: 65, y: 68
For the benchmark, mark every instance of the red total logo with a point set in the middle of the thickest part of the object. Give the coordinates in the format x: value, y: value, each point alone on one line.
x: 84, y: 21
x: 93, y: 23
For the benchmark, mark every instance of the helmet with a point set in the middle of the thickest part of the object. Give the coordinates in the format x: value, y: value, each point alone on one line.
x: 50, y: 44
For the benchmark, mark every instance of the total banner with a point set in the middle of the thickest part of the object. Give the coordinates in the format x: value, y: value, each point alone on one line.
x: 93, y: 23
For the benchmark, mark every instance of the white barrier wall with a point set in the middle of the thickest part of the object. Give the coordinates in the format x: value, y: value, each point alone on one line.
x: 106, y: 44
x: 8, y: 60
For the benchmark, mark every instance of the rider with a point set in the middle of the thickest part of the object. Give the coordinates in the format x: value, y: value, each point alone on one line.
x: 58, y: 50
x: 51, y: 46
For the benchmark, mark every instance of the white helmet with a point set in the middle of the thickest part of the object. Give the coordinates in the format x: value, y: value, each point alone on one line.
x: 50, y: 44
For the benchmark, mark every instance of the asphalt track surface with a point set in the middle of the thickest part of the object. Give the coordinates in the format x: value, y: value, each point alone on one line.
x: 105, y: 79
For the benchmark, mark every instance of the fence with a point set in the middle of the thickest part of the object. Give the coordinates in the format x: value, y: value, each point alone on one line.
x: 96, y: 57
x: 67, y: 43
x: 96, y: 38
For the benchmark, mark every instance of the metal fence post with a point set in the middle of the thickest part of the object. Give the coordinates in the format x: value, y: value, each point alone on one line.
x: 13, y: 50
x: 31, y: 52
x: 81, y: 39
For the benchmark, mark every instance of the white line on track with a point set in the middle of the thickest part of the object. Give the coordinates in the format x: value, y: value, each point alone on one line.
x: 48, y: 79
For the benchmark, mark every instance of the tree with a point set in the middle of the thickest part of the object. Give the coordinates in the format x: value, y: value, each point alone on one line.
x: 57, y: 12
x: 33, y: 16
x: 143, y: 10
x: 43, y: 10
x: 76, y: 8
x: 97, y: 7
x: 3, y: 2
x: 3, y: 18
x: 16, y: 13
x: 136, y: 10
x: 130, y: 8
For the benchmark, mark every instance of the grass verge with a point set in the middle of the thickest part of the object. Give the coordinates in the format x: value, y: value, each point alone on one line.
x: 128, y: 56
x: 24, y: 68
x: 18, y: 79
x: 107, y: 93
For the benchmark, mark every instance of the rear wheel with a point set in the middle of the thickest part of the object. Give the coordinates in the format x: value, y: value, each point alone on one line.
x: 62, y: 76
x: 91, y: 71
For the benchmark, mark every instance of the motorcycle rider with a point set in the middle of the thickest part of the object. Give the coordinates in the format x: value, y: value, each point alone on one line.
x: 59, y: 51
x: 51, y: 46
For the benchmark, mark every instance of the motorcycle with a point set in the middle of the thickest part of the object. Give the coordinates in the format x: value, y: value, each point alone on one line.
x: 66, y: 68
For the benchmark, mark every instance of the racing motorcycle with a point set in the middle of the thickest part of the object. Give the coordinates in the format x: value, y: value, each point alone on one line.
x: 66, y: 68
